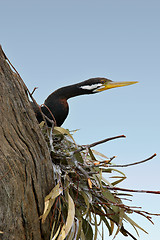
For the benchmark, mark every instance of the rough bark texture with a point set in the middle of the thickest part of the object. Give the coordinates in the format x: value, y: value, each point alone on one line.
x: 26, y: 174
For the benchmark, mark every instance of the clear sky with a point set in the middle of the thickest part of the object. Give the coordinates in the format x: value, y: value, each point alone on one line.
x: 57, y: 43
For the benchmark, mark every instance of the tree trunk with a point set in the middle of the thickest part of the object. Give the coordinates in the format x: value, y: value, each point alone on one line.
x: 26, y: 174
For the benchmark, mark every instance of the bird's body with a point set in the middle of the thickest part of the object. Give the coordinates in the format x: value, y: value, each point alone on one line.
x: 56, y: 104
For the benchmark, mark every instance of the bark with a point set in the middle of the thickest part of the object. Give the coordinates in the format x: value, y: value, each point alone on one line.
x: 26, y: 174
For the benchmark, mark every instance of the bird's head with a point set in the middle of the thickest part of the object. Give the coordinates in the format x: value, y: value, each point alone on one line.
x: 94, y: 85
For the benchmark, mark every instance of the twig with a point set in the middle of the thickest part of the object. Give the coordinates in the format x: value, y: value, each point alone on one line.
x: 103, y: 141
x: 34, y: 90
x: 131, y: 208
x: 135, y: 163
x: 147, y: 213
x: 111, y: 159
x: 101, y: 163
x: 130, y: 190
x: 97, y: 143
x: 54, y: 120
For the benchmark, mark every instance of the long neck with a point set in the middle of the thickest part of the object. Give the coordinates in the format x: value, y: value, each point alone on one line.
x: 57, y: 101
x: 68, y: 92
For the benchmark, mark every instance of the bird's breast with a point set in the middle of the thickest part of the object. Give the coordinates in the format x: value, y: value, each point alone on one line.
x: 59, y: 108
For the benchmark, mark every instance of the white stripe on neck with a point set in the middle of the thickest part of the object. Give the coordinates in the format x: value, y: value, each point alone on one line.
x: 91, y: 87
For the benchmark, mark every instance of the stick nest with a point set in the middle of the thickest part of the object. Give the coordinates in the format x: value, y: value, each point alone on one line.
x: 83, y: 201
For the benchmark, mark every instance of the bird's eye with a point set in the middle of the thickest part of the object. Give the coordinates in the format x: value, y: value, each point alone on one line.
x: 102, y: 81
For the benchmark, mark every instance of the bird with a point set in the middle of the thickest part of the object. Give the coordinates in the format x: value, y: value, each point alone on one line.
x: 56, y: 107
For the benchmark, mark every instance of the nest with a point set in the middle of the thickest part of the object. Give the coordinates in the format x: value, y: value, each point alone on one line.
x: 83, y: 201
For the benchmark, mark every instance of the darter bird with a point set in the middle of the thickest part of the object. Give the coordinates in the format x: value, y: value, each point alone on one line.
x: 56, y: 104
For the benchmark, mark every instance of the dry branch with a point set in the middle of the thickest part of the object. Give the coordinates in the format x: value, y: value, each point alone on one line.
x: 135, y: 163
x: 97, y: 143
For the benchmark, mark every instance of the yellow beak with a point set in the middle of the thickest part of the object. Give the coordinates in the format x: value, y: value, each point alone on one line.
x: 109, y: 84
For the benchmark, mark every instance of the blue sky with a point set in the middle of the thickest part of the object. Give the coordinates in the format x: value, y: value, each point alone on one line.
x: 57, y: 43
